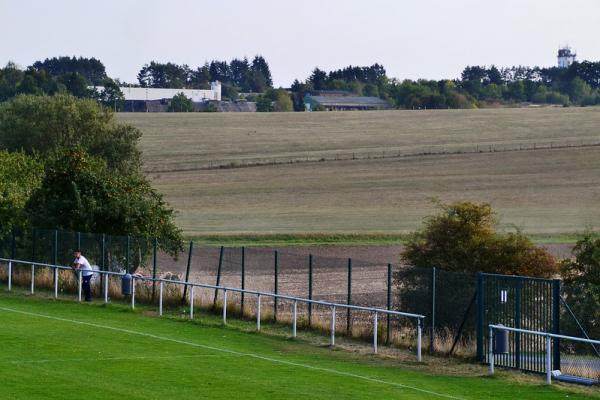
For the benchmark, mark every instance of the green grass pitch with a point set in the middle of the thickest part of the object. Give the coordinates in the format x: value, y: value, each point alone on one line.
x: 64, y: 350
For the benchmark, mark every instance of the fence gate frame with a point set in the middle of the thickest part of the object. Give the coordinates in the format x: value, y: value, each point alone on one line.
x: 487, y: 289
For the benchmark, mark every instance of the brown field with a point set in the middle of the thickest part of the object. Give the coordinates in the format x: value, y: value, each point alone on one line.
x: 553, y: 191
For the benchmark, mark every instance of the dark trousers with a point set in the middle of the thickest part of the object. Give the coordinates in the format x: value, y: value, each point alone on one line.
x: 85, y: 285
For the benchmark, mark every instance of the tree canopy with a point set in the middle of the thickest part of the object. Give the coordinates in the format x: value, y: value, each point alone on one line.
x: 42, y: 124
x: 462, y: 238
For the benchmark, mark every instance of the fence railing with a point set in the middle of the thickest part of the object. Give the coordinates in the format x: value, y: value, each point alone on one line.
x: 548, y: 348
x: 191, y: 285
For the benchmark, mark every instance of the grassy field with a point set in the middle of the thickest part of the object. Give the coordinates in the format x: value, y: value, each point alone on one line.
x: 550, y: 192
x: 63, y: 350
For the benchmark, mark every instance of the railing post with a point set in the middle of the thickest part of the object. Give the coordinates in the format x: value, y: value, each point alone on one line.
x: 32, y: 278
x: 132, y: 292
x: 419, y: 338
x: 258, y: 312
x: 389, y: 301
x: 375, y: 323
x: 491, y: 351
x: 556, y: 320
x: 310, y: 288
x: 192, y: 302
x: 294, y: 317
x: 548, y: 360
x: 55, y: 276
x: 276, y: 283
x: 224, y: 306
x: 106, y: 278
x: 432, y: 334
x: 79, y: 283
x: 10, y: 275
x: 154, y: 263
x: 218, y: 275
x: 243, y: 279
x: 160, y: 298
x: 187, y: 270
x: 349, y: 299
x: 332, y: 338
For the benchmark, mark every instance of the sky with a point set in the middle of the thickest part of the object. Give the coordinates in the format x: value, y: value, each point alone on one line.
x: 430, y: 39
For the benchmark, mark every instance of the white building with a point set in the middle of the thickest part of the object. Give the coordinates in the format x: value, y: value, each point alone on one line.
x: 566, y: 57
x: 154, y: 94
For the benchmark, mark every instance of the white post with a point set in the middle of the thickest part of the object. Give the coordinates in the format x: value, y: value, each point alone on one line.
x: 491, y: 351
x: 375, y: 323
x: 160, y: 299
x: 419, y: 339
x: 332, y: 338
x: 79, y: 286
x: 548, y: 360
x: 294, y: 317
x: 9, y: 276
x: 258, y: 312
x: 224, y: 306
x: 55, y: 282
x: 192, y: 302
x: 106, y: 278
x: 132, y: 292
x: 32, y: 278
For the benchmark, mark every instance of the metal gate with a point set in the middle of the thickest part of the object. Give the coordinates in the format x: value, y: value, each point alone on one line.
x: 524, y: 303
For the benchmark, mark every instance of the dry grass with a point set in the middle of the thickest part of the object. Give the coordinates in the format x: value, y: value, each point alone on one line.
x: 543, y: 191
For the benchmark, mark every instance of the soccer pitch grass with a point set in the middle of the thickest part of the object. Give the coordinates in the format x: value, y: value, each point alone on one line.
x: 64, y: 350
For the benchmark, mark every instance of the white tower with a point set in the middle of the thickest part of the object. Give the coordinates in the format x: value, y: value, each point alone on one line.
x: 216, y: 89
x: 565, y: 57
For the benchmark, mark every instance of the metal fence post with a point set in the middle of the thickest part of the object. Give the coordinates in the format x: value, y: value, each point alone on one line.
x: 55, y: 278
x: 349, y: 299
x: 9, y: 276
x: 419, y: 339
x: 375, y: 329
x: 243, y: 279
x: 480, y: 314
x: 310, y: 287
x: 154, y: 263
x: 32, y: 278
x: 219, y: 276
x: 433, y: 289
x: 556, y: 320
x: 549, y: 360
x: 106, y: 278
x: 519, y: 285
x: 79, y: 283
x: 276, y: 283
x: 187, y: 271
x: 332, y: 338
x: 491, y: 351
x: 160, y: 298
x: 258, y: 312
x: 192, y: 302
x: 294, y: 317
x: 389, y: 301
x: 132, y: 292
x: 224, y: 306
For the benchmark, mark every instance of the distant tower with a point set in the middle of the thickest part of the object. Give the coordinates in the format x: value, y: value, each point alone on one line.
x: 565, y: 57
x: 216, y: 89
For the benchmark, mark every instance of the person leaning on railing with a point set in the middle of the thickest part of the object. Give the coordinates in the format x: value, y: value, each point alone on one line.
x: 82, y: 264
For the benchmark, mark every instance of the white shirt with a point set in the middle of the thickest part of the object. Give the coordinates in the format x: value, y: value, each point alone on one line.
x: 85, y: 266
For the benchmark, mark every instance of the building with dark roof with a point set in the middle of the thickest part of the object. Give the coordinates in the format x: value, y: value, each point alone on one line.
x: 343, y: 101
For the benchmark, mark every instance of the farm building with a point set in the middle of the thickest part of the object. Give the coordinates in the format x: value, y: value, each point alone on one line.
x: 158, y: 99
x: 342, y: 101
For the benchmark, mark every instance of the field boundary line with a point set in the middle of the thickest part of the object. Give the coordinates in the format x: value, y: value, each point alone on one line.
x: 232, y: 352
x: 65, y: 360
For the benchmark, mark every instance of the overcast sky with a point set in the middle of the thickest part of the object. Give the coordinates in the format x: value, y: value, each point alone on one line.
x: 417, y: 39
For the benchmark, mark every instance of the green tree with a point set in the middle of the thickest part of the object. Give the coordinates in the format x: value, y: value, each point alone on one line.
x: 462, y: 238
x: 111, y: 96
x: 181, y: 103
x: 20, y: 175
x: 79, y: 192
x: 44, y: 124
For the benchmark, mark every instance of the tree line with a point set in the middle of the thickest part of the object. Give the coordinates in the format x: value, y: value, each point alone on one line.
x: 478, y: 86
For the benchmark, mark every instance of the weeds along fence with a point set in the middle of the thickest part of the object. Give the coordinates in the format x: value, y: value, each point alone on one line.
x: 133, y: 286
x: 447, y: 300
